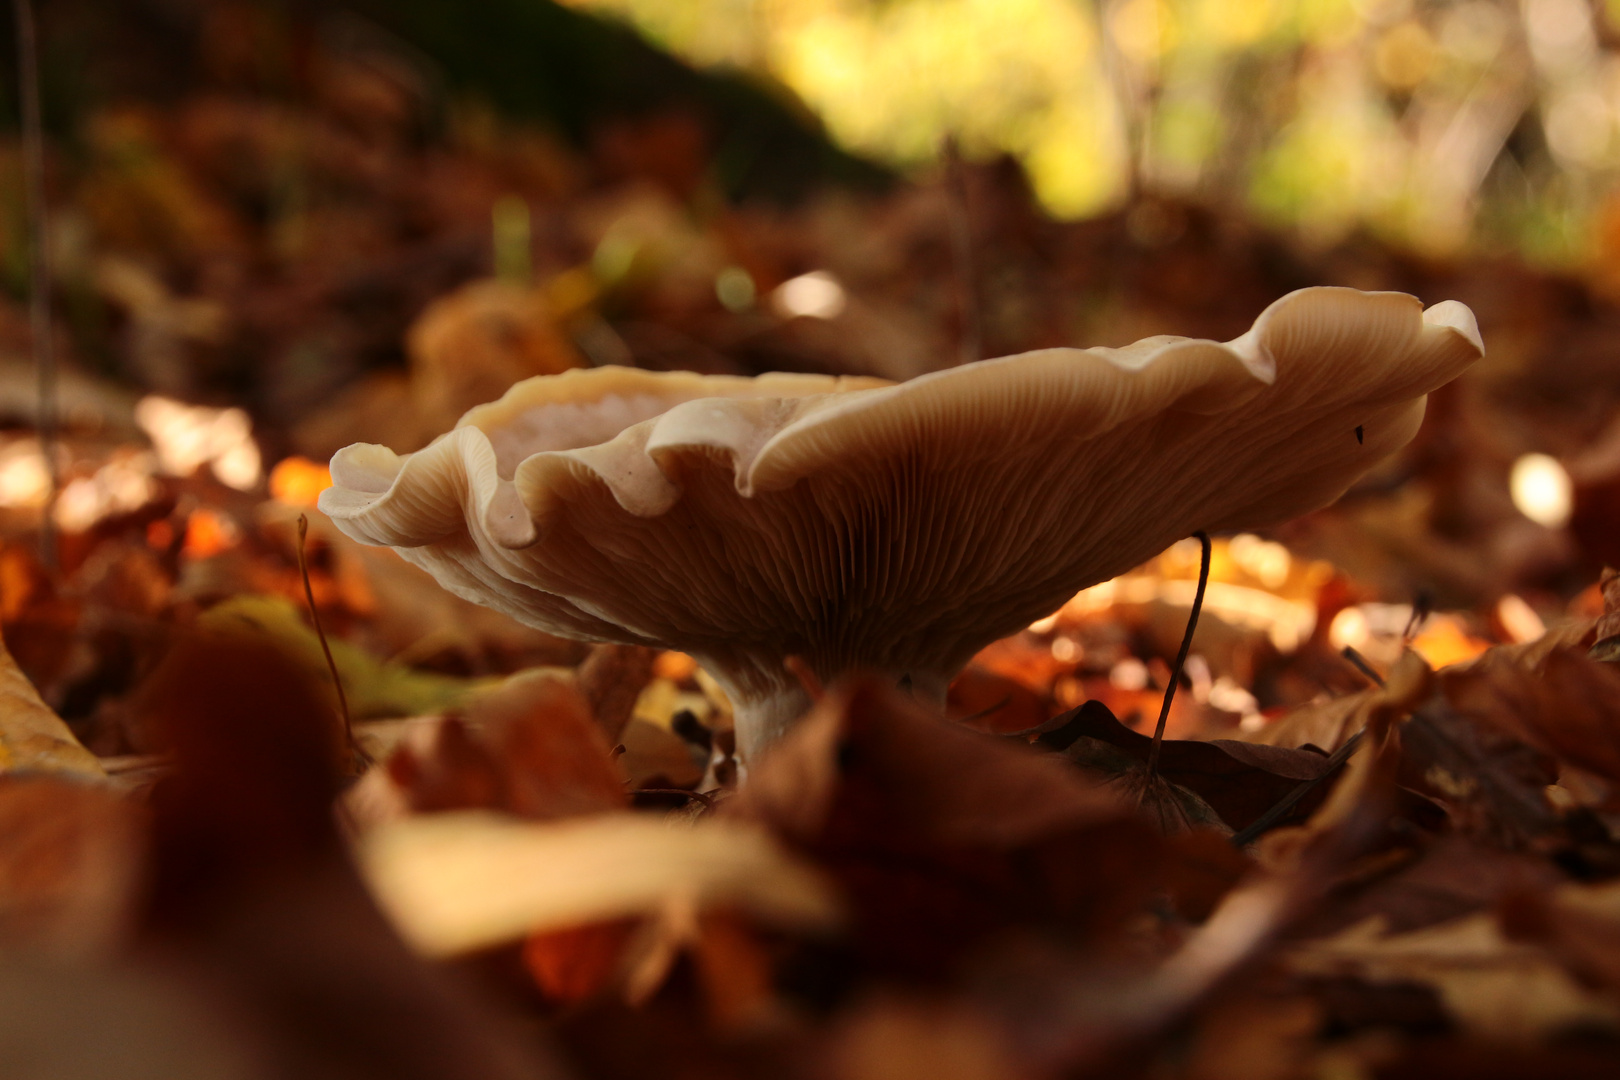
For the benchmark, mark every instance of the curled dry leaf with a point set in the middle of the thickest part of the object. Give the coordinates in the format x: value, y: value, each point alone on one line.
x: 1096, y: 1030
x: 32, y: 737
x: 457, y: 882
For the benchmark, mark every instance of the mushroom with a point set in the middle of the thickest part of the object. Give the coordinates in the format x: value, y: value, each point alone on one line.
x: 856, y: 524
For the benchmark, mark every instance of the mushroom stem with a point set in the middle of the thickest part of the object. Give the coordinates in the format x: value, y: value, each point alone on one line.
x: 762, y: 718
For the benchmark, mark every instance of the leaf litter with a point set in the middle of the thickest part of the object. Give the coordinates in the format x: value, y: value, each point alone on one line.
x: 551, y: 870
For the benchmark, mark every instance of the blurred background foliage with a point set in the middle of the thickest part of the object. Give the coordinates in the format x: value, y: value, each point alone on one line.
x: 1436, y: 124
x: 346, y: 220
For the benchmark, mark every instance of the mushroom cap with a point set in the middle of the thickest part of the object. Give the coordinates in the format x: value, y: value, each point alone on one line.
x: 899, y: 528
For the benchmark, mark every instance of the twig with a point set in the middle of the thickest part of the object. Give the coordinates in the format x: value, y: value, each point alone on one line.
x: 1422, y: 606
x: 320, y: 632
x: 1181, y: 657
x: 1360, y: 663
x: 39, y: 269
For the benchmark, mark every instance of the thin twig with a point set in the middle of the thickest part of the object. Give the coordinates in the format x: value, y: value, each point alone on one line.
x: 1361, y: 664
x: 1422, y: 606
x: 39, y: 269
x: 1181, y: 657
x: 320, y: 632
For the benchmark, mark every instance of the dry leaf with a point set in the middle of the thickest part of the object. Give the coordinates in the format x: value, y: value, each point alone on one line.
x: 32, y: 737
x: 69, y: 866
x: 456, y: 882
x: 1239, y: 781
x: 528, y: 747
x: 1497, y: 987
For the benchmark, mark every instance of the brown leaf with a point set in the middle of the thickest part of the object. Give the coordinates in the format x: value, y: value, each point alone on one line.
x: 529, y: 747
x: 32, y: 737
x: 1239, y: 781
x: 1579, y: 924
x: 577, y: 963
x: 1496, y: 987
x: 611, y: 678
x: 252, y: 887
x: 1562, y: 703
x: 1606, y: 631
x: 941, y: 836
x: 69, y: 864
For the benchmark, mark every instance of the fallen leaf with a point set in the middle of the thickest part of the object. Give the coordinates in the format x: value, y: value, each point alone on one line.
x: 941, y: 836
x: 1562, y: 703
x: 528, y: 747
x: 375, y: 688
x: 1606, y: 647
x: 1239, y: 781
x: 70, y: 864
x: 610, y: 678
x: 32, y: 737
x: 251, y: 886
x: 1496, y: 987
x: 576, y: 963
x: 655, y: 757
x: 461, y: 881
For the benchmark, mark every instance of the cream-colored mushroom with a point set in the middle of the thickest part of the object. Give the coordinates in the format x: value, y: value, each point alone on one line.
x: 891, y: 528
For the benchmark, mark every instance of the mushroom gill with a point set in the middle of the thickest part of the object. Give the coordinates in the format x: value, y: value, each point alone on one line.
x: 891, y: 528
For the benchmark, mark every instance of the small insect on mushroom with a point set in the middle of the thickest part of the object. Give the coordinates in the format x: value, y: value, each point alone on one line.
x: 860, y: 525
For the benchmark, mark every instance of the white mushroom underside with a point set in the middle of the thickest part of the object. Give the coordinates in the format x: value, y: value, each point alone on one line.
x: 900, y: 528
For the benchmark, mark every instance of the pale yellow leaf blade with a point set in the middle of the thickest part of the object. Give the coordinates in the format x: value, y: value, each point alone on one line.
x: 462, y: 881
